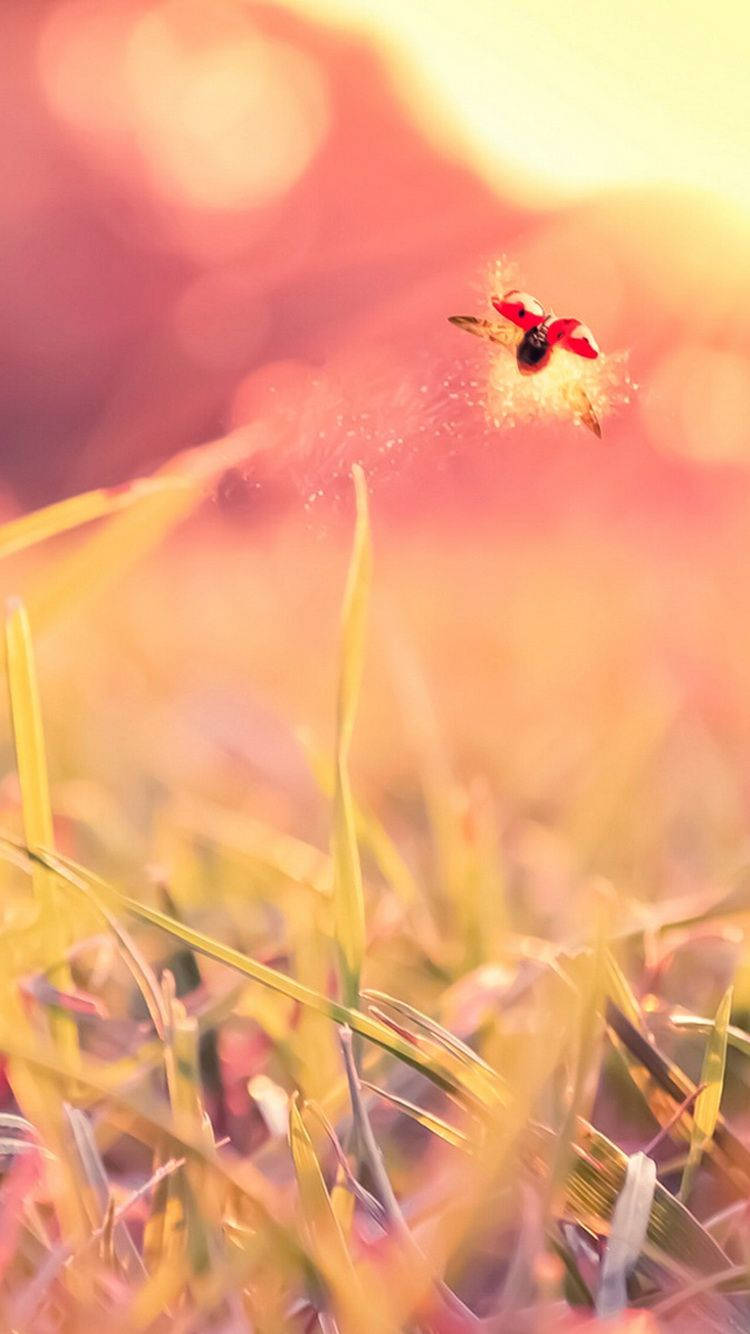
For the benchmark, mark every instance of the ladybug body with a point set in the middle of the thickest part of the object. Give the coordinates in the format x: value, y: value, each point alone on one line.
x: 541, y: 332
x: 533, y: 351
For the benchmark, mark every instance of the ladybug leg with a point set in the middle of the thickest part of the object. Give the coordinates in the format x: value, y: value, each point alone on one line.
x: 487, y: 329
x: 583, y: 410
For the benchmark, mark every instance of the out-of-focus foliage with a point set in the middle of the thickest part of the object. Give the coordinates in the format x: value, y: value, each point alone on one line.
x: 172, y: 1006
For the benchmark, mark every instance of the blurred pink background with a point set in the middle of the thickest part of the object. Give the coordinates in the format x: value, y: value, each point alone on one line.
x: 212, y: 212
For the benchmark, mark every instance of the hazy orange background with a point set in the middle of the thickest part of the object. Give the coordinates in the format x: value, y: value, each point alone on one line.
x: 215, y: 212
x: 196, y: 189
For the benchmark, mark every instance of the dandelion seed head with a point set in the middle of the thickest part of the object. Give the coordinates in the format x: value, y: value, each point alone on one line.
x: 509, y: 399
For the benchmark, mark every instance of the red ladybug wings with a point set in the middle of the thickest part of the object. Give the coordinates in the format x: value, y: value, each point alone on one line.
x: 527, y: 313
x: 520, y: 309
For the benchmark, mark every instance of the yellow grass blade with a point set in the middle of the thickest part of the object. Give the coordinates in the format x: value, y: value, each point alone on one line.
x: 31, y: 760
x: 435, y: 1124
x: 348, y: 898
x: 64, y: 515
x: 708, y: 1102
x: 476, y: 1070
x: 176, y: 490
x: 178, y: 1229
x: 736, y: 1037
x: 371, y: 834
x: 476, y: 1082
x: 620, y: 990
x: 324, y: 1234
x: 596, y: 1179
x: 271, y: 856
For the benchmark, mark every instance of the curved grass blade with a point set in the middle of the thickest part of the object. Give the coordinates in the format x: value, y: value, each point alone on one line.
x: 736, y: 1037
x: 99, y: 1194
x: 708, y: 1102
x: 348, y: 895
x: 252, y: 843
x: 474, y: 1067
x: 176, y: 489
x: 435, y: 1124
x: 64, y: 515
x: 422, y: 1280
x: 325, y: 1235
x: 484, y: 1094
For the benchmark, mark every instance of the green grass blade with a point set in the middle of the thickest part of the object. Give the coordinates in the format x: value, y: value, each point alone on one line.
x: 708, y: 1102
x: 348, y: 896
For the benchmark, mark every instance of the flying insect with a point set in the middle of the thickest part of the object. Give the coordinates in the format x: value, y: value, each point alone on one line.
x: 540, y: 334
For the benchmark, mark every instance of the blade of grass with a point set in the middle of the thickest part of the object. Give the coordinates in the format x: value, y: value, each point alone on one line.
x: 348, y: 896
x: 665, y: 1088
x: 627, y: 1234
x: 412, y: 1262
x: 84, y: 572
x: 31, y: 762
x: 259, y: 847
x: 588, y: 977
x: 371, y: 833
x: 593, y: 1185
x: 75, y: 511
x: 324, y: 1233
x: 478, y: 1084
x: 372, y: 1206
x: 179, y: 1228
x: 99, y: 1189
x: 708, y: 1102
x: 620, y: 990
x: 435, y: 1124
x: 461, y: 1054
x: 736, y: 1037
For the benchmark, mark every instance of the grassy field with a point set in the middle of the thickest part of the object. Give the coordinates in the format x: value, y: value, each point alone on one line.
x: 450, y: 1037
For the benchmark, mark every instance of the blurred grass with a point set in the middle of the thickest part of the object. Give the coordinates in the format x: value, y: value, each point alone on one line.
x: 526, y: 944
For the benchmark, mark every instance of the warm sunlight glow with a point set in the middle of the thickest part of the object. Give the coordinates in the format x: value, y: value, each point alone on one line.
x: 565, y: 98
x: 224, y: 124
x: 704, y: 393
x: 223, y: 118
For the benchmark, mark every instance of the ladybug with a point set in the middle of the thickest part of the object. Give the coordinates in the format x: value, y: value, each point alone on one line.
x: 541, y: 334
